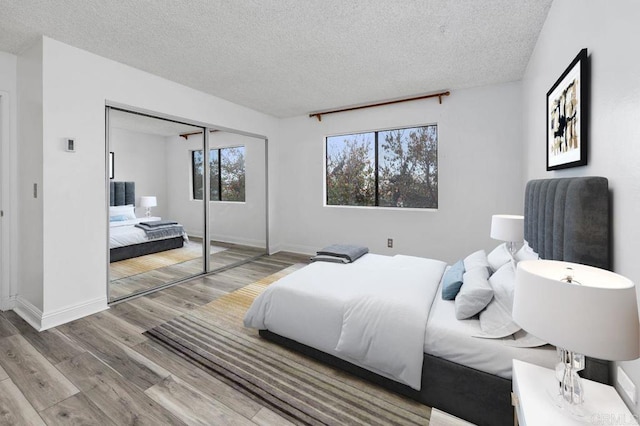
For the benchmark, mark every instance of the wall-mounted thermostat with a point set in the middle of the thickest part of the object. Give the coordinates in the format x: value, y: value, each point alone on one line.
x: 70, y: 144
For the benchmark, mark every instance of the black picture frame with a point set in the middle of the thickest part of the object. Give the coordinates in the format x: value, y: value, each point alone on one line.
x: 111, y: 165
x: 567, y: 110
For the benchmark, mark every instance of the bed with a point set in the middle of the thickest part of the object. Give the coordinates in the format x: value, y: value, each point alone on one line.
x: 126, y: 240
x: 565, y: 219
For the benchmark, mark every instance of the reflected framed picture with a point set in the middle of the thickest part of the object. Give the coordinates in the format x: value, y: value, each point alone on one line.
x: 567, y: 103
x: 111, y: 165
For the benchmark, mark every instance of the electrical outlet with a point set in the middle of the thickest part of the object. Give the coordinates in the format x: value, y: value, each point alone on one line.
x: 390, y: 242
x: 627, y: 385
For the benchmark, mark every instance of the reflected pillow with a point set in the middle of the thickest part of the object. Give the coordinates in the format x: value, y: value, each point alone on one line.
x: 128, y: 211
x: 118, y: 218
x: 474, y: 294
x: 452, y: 281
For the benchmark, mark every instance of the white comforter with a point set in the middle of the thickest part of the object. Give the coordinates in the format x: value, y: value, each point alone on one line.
x: 124, y: 233
x: 372, y: 312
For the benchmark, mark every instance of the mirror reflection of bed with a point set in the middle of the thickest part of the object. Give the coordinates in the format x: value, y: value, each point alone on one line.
x: 156, y: 209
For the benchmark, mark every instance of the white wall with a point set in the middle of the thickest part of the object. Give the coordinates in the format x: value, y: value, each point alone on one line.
x: 233, y: 222
x: 8, y: 179
x: 609, y: 32
x: 68, y: 277
x: 141, y: 158
x: 479, y: 175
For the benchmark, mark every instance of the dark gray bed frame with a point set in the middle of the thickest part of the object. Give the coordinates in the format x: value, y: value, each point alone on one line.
x: 565, y: 219
x: 121, y: 194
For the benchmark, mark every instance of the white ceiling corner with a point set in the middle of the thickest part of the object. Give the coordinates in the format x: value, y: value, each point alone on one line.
x: 291, y: 57
x: 144, y: 124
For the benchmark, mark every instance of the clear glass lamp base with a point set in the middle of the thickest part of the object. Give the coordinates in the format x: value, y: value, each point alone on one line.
x: 570, y: 393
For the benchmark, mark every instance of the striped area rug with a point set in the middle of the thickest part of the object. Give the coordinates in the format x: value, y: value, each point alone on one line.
x: 300, y: 389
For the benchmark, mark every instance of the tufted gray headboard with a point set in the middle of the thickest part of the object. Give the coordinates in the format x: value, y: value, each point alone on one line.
x: 568, y: 219
x: 122, y: 193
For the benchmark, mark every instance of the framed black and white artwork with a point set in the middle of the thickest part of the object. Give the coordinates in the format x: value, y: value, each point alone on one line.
x: 567, y: 116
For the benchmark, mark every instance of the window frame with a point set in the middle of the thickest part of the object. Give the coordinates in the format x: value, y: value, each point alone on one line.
x: 193, y: 174
x: 325, y: 194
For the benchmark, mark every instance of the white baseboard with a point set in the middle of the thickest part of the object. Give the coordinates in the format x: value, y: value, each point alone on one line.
x: 41, y: 321
x: 239, y: 241
x: 232, y: 240
x: 7, y: 303
x: 29, y: 313
x: 296, y: 248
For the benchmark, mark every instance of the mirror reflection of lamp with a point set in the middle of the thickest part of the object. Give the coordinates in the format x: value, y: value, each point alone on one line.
x: 147, y: 202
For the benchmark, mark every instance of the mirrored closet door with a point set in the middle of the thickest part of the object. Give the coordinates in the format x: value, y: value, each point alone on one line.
x: 161, y: 228
x: 237, y: 210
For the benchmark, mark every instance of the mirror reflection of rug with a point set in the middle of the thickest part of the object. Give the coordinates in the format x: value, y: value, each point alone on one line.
x: 138, y: 265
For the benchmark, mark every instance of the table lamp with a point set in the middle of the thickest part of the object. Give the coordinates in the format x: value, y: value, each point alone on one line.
x: 148, y: 201
x: 581, y: 310
x: 509, y: 228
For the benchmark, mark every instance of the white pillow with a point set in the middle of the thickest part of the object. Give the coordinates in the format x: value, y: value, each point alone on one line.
x: 496, y: 320
x: 128, y: 211
x: 476, y: 259
x: 475, y: 293
x: 499, y: 256
x: 526, y: 253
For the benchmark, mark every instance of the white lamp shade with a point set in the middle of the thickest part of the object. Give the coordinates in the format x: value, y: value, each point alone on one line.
x: 507, y: 227
x: 597, y: 317
x: 148, y: 201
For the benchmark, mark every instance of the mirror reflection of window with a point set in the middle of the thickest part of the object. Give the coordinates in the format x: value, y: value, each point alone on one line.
x: 226, y: 174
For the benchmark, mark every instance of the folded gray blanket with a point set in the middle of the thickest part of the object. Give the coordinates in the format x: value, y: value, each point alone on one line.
x: 345, y: 251
x: 325, y: 258
x: 157, y: 223
x: 163, y: 231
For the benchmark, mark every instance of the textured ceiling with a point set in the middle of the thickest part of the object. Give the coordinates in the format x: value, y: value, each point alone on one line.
x: 291, y: 57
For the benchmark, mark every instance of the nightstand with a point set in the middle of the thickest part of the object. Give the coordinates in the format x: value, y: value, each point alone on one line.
x: 532, y: 390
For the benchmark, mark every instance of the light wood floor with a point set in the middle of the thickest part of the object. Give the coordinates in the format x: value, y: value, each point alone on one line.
x: 101, y: 369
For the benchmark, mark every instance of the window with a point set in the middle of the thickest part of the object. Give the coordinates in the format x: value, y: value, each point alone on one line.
x: 226, y: 174
x: 390, y: 168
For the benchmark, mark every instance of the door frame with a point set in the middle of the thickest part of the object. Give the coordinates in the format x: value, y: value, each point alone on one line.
x: 8, y: 205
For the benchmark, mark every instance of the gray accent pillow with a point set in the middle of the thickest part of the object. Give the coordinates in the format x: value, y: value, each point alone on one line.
x: 474, y: 294
x: 452, y: 281
x: 496, y: 320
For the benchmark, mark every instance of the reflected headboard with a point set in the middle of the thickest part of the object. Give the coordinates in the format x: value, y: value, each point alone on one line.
x: 568, y: 219
x: 122, y: 193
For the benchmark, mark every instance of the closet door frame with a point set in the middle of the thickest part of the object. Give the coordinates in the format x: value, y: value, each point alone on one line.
x: 207, y: 128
